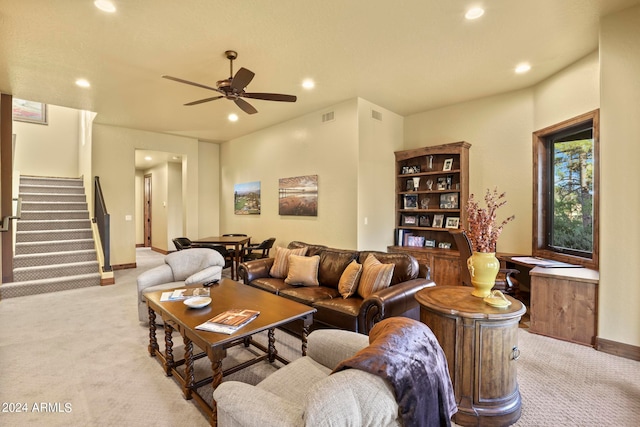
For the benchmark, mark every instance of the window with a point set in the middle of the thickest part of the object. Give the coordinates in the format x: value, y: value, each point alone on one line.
x: 566, y: 191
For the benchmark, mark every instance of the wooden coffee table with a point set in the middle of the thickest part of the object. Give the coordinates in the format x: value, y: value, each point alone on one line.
x: 274, y: 311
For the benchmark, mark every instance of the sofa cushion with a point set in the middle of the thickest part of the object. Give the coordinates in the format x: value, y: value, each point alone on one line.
x: 406, y: 267
x: 309, y: 294
x: 350, y: 279
x: 280, y: 267
x: 375, y: 276
x: 188, y: 261
x: 270, y: 284
x: 303, y: 270
x: 332, y: 264
x: 338, y: 312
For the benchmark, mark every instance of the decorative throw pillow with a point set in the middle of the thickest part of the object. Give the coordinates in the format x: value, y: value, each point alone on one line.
x: 280, y: 267
x: 375, y: 276
x: 303, y: 270
x: 349, y: 279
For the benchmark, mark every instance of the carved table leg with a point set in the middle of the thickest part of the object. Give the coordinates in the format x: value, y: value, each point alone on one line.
x: 305, y: 333
x: 153, y: 342
x: 216, y: 367
x: 272, y: 345
x: 168, y: 346
x: 188, y: 368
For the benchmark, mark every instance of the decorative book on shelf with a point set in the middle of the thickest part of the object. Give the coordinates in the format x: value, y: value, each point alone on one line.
x: 229, y: 321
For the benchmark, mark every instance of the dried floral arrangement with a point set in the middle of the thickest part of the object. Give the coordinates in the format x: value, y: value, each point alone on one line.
x: 483, y: 231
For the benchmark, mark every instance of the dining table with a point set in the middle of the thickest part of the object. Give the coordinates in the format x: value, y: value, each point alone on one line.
x: 238, y: 243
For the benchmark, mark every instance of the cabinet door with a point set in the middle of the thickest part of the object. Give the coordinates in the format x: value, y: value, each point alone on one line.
x: 496, y: 380
x: 446, y: 270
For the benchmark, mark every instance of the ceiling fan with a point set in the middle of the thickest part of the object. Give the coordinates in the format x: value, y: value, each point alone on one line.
x: 233, y: 88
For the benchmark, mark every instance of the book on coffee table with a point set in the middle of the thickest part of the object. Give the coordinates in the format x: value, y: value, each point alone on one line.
x: 181, y: 294
x: 229, y: 321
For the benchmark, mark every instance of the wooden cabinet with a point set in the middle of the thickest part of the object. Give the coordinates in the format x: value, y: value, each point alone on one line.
x: 564, y: 304
x: 432, y: 185
x: 442, y: 264
x: 480, y: 343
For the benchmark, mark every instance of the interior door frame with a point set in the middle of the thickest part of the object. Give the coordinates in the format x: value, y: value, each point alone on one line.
x: 147, y: 210
x: 6, y: 179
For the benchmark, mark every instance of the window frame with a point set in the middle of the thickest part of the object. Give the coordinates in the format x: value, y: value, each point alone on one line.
x: 541, y: 199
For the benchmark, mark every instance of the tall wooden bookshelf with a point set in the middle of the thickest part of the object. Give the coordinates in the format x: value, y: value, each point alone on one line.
x: 432, y: 186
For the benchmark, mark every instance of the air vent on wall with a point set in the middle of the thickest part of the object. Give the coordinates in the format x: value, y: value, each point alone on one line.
x: 376, y: 115
x: 327, y: 117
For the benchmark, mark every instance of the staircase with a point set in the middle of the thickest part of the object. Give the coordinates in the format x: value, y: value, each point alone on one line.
x: 54, y: 248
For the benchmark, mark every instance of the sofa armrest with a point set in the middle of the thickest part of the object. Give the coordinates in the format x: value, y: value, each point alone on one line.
x: 155, y: 276
x: 241, y: 404
x: 256, y: 269
x: 392, y: 301
x: 331, y: 346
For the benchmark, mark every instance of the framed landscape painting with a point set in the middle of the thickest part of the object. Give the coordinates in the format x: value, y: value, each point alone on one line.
x: 298, y: 196
x: 29, y: 111
x: 246, y: 198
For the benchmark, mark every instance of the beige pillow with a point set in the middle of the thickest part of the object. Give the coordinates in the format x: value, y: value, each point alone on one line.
x: 349, y: 279
x: 280, y: 267
x: 303, y: 270
x: 375, y: 276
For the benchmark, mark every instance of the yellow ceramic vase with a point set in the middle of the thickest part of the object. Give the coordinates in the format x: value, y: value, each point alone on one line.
x: 483, y: 268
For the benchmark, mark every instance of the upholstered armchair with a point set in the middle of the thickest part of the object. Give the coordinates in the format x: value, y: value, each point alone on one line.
x: 396, y: 374
x: 185, y: 267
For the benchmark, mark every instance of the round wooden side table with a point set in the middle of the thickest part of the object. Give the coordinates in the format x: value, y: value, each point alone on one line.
x: 481, y: 346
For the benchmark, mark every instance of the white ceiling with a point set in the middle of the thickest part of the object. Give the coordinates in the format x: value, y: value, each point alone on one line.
x: 407, y: 56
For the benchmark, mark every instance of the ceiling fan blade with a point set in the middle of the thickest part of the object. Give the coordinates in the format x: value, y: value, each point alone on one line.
x: 176, y: 79
x: 245, y: 106
x: 242, y: 78
x: 271, y: 96
x: 204, y: 100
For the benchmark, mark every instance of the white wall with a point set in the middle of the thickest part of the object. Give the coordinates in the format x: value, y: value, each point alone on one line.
x: 499, y: 131
x: 302, y: 146
x: 49, y: 150
x: 174, y: 203
x: 619, y: 315
x: 208, y: 190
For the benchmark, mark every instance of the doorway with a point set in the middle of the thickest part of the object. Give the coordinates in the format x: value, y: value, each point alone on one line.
x: 147, y: 210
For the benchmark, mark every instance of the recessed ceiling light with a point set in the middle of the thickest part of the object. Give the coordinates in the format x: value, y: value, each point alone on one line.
x: 105, y: 5
x: 474, y: 13
x: 83, y: 83
x: 308, y: 84
x: 233, y: 117
x: 147, y: 158
x: 523, y: 68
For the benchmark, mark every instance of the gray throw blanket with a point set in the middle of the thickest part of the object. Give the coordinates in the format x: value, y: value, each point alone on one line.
x: 405, y: 352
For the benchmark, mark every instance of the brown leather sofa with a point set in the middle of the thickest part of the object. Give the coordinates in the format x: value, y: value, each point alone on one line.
x: 333, y: 311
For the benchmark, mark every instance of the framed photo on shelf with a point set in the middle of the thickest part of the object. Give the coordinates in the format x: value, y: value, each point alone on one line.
x: 411, y: 201
x: 442, y: 183
x: 410, y: 169
x: 409, y: 220
x: 449, y: 201
x: 429, y: 243
x: 444, y: 245
x: 452, y: 222
x: 448, y: 164
x: 415, y: 241
x: 424, y: 221
x: 437, y: 221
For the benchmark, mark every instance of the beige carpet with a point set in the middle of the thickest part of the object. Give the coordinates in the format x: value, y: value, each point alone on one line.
x: 85, y: 348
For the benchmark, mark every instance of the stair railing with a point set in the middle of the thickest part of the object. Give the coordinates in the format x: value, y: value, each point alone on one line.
x: 4, y: 226
x: 102, y: 220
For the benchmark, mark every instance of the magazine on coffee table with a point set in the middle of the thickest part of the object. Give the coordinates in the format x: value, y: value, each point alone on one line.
x: 229, y: 321
x: 181, y: 294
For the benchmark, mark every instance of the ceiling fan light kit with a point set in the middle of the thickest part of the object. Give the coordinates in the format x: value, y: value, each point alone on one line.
x: 233, y: 88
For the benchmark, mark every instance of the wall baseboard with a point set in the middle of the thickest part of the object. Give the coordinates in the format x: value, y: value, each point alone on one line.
x: 124, y: 266
x: 162, y: 251
x: 618, y: 349
x: 107, y: 281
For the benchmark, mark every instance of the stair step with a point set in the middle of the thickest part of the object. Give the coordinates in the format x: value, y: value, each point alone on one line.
x: 48, y: 258
x: 47, y: 215
x: 53, y: 206
x: 48, y: 235
x: 56, y: 270
x: 58, y: 189
x: 53, y: 197
x: 53, y: 224
x: 51, y: 181
x: 23, y: 248
x: 33, y: 287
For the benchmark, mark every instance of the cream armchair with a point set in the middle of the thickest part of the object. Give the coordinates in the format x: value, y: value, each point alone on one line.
x: 304, y: 394
x: 189, y: 266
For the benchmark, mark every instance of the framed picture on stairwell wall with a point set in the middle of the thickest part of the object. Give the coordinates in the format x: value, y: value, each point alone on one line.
x: 29, y: 111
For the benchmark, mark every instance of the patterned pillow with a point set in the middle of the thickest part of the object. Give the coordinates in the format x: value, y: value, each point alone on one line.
x: 349, y: 279
x: 375, y: 276
x: 280, y: 267
x: 303, y: 270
